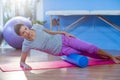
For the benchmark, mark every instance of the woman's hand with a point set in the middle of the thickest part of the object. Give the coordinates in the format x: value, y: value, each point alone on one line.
x: 68, y: 35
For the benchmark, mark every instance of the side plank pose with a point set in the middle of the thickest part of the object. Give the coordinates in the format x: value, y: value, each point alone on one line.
x: 56, y: 43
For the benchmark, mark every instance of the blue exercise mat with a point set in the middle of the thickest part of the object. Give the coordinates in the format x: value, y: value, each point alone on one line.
x: 76, y: 59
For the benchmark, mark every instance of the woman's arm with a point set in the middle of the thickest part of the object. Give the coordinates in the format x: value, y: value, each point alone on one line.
x: 59, y: 32
x: 23, y: 59
x: 54, y: 32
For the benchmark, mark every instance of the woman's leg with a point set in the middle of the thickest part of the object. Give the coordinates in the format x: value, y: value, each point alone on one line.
x: 68, y: 48
x: 90, y: 49
x: 80, y: 45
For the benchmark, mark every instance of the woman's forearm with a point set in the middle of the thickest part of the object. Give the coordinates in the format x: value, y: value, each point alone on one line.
x: 22, y: 61
x: 55, y: 32
x: 58, y: 32
x: 23, y: 57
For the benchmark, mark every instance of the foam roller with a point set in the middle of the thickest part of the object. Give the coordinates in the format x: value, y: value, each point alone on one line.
x: 76, y: 59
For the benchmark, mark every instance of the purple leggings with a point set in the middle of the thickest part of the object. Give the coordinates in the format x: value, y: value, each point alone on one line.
x: 74, y: 45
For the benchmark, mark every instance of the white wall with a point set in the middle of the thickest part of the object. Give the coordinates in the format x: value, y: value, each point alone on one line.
x: 1, y: 15
x: 39, y: 10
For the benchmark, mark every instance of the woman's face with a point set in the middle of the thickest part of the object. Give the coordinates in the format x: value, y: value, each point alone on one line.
x: 25, y: 32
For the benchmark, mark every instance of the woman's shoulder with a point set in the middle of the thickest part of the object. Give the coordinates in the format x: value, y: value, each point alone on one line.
x: 37, y: 26
x: 26, y: 42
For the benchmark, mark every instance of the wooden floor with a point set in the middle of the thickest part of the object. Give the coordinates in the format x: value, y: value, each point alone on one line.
x: 102, y: 72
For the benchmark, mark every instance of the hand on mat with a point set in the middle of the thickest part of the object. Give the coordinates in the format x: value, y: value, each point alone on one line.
x: 25, y: 66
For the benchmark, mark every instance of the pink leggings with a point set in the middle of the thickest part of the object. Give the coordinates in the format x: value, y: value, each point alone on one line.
x: 74, y: 45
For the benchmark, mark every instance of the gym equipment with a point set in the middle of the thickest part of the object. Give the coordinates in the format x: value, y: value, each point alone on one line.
x: 9, y: 34
x: 77, y: 59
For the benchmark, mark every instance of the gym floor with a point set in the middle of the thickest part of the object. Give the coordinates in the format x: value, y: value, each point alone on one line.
x: 101, y: 72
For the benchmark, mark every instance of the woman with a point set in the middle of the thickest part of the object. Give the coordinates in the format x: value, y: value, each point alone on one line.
x: 56, y: 43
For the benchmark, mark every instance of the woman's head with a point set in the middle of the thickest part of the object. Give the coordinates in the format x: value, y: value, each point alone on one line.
x: 22, y: 30
x: 17, y: 28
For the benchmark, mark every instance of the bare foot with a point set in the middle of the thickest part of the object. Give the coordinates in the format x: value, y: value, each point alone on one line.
x: 118, y: 57
x: 116, y: 60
